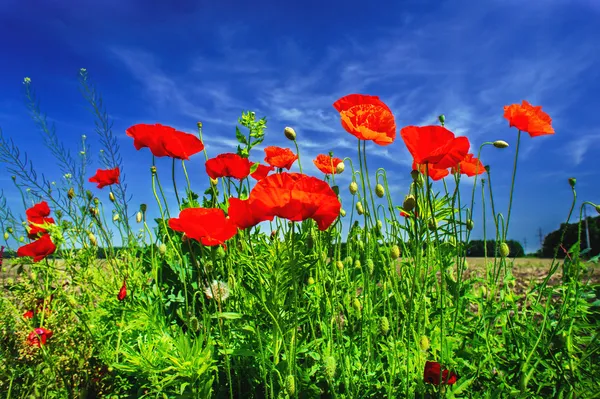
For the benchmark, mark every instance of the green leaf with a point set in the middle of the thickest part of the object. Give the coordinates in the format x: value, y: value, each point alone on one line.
x: 254, y: 167
x: 240, y: 137
x: 227, y: 315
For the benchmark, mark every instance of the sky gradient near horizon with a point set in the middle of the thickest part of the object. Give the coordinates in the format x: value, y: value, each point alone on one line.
x: 180, y: 62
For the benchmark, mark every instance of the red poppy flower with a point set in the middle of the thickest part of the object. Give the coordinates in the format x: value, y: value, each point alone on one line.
x: 38, y: 249
x: 432, y: 374
x: 207, y: 225
x: 228, y: 165
x: 296, y: 197
x: 165, y: 141
x: 434, y: 173
x: 326, y: 164
x: 262, y: 171
x: 367, y: 118
x: 28, y: 314
x: 106, y: 177
x: 528, y: 118
x: 122, y: 292
x: 38, y: 337
x: 280, y: 157
x: 406, y: 214
x: 247, y: 213
x: 470, y: 166
x: 435, y: 145
x: 37, y: 216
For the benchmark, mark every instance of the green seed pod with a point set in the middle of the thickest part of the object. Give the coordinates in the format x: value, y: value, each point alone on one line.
x: 379, y: 190
x: 143, y: 208
x: 357, y: 305
x: 340, y: 168
x: 290, y: 385
x: 71, y: 193
x: 442, y: 119
x: 111, y: 196
x: 359, y: 208
x: 9, y: 230
x: 504, y: 250
x: 162, y: 248
x: 572, y: 182
x: 221, y: 253
x: 92, y: 239
x: 384, y: 325
x: 357, y: 264
x: 470, y: 224
x: 329, y: 366
x: 395, y: 252
x: 353, y: 188
x: 153, y: 170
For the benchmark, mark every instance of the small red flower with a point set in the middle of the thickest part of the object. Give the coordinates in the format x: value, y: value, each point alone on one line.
x: 106, y: 177
x: 28, y: 314
x: 207, y: 225
x: 123, y: 291
x: 228, y: 165
x: 528, y: 118
x: 262, y: 171
x: 470, y: 166
x: 435, y: 145
x: 38, y: 249
x: 1, y: 254
x: 326, y: 164
x: 434, y: 173
x: 432, y: 374
x: 38, y: 337
x: 165, y: 141
x: 280, y: 157
x: 37, y: 216
x: 367, y: 118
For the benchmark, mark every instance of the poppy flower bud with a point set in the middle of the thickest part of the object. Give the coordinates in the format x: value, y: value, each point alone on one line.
x: 500, y: 144
x: 6, y: 235
x: 138, y: 217
x: 395, y: 252
x: 143, y: 207
x: 310, y: 241
x: 442, y: 119
x: 115, y: 217
x: 9, y: 230
x: 199, y: 125
x: 336, y: 190
x: 379, y: 190
x: 330, y: 366
x: 311, y: 281
x: 89, y: 195
x: 92, y: 239
x: 273, y: 234
x: 162, y: 248
x: 340, y: 265
x: 348, y: 260
x: 340, y: 168
x: 21, y: 239
x: 289, y: 133
x: 111, y: 196
x: 432, y: 224
x: 71, y: 193
x: 93, y: 211
x: 214, y: 182
x: 153, y: 170
x: 370, y: 265
x: 379, y: 225
x: 194, y: 323
x: 361, y: 246
x: 357, y: 305
x: 424, y: 343
x: 290, y: 385
x: 14, y: 178
x: 504, y: 250
x: 96, y: 201
x: 384, y: 325
x: 359, y: 208
x: 353, y: 188
x: 598, y: 209
x: 343, y: 212
x: 409, y: 203
x: 572, y: 182
x: 470, y: 224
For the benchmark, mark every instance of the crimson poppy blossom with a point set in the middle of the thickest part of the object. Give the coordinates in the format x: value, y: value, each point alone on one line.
x: 38, y: 249
x: 469, y: 166
x: 280, y: 157
x: 434, y: 173
x: 261, y: 171
x: 39, y: 336
x: 28, y: 314
x: 528, y: 118
x: 207, y: 225
x: 122, y: 292
x: 228, y: 165
x: 37, y: 216
x: 326, y: 163
x: 106, y: 177
x: 247, y: 213
x: 367, y: 118
x: 165, y: 141
x: 434, y: 145
x: 432, y: 373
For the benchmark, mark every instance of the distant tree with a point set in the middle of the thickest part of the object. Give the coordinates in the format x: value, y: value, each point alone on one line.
x: 552, y: 240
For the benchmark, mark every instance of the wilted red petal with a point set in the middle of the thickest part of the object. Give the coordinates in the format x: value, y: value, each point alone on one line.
x: 106, y: 177
x: 432, y: 374
x: 326, y: 163
x: 122, y: 292
x: 38, y: 249
x: 367, y: 118
x: 529, y: 118
x: 228, y: 165
x: 280, y: 157
x: 39, y: 336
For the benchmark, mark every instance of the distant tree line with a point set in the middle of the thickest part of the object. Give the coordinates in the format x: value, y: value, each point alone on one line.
x: 552, y: 240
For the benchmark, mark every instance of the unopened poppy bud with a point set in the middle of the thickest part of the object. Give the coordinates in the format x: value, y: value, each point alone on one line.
x: 470, y: 224
x: 379, y: 225
x: 348, y: 260
x: 194, y: 323
x: 21, y: 239
x: 442, y: 119
x: 289, y: 133
x: 424, y: 343
x: 500, y: 144
x: 329, y: 366
x: 572, y: 182
x: 9, y: 230
x: 143, y: 207
x: 92, y: 239
x: 504, y: 250
x: 153, y: 170
x: 432, y: 224
x: 96, y: 201
x: 199, y: 125
x: 115, y: 217
x: 357, y: 264
x: 340, y: 168
x: 384, y: 325
x: 138, y: 217
x: 290, y: 385
x: 6, y: 235
x: 14, y: 178
x: 361, y: 246
x: 370, y: 265
x: 379, y: 190
x: 343, y: 212
x: 311, y: 281
x: 357, y: 305
x: 409, y: 203
x: 162, y: 248
x: 93, y: 211
x: 359, y: 208
x: 395, y: 252
x: 71, y: 193
x: 336, y: 190
x: 89, y: 195
x: 214, y: 182
x: 598, y: 209
x: 353, y: 188
x: 310, y: 241
x: 111, y: 196
x: 340, y: 265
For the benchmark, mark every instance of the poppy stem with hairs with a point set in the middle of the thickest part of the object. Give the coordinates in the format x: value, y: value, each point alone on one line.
x: 512, y: 186
x: 174, y: 182
x: 187, y: 178
x: 298, y: 153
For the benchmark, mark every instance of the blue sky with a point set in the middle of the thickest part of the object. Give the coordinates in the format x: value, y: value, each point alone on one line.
x: 181, y: 61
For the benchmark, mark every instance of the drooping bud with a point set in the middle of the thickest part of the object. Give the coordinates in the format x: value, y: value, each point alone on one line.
x: 353, y: 188
x: 379, y: 190
x: 89, y: 195
x: 111, y: 196
x: 357, y: 305
x: 6, y: 235
x: 598, y: 209
x: 470, y: 224
x: 504, y: 250
x: 359, y: 208
x: 194, y: 323
x: 395, y: 252
x: 384, y: 325
x: 336, y: 190
x: 343, y: 212
x: 92, y: 239
x: 409, y: 203
x: 71, y: 193
x: 340, y: 265
x: 96, y: 201
x: 290, y: 133
x: 500, y: 144
x: 370, y: 265
x: 138, y: 217
x: 432, y: 224
x: 94, y: 211
x: 340, y: 168
x: 572, y: 182
x: 311, y: 280
x: 379, y: 225
x: 153, y: 170
x: 143, y: 207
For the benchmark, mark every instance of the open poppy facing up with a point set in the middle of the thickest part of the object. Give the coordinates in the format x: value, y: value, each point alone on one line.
x: 367, y: 118
x: 435, y: 145
x: 280, y: 157
x: 106, y: 177
x: 165, y: 141
x: 528, y: 118
x: 432, y: 374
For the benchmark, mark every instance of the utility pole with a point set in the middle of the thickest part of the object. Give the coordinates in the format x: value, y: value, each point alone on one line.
x: 587, y: 230
x: 541, y: 237
x: 525, y: 244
